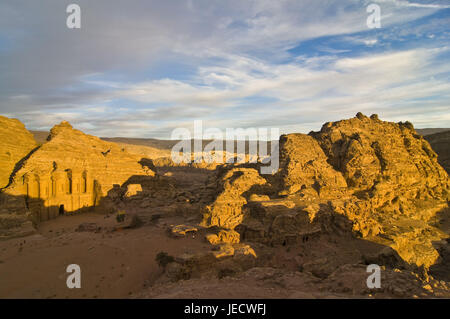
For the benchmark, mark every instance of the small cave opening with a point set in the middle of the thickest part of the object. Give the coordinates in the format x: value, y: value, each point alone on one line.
x: 61, y: 210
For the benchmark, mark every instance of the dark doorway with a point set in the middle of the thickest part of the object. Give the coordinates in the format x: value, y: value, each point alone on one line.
x: 61, y: 210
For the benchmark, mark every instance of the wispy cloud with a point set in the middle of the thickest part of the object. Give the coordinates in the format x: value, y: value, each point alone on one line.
x: 404, y: 3
x: 141, y: 68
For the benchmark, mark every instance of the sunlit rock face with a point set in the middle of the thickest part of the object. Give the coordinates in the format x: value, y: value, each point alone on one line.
x: 227, y: 209
x: 394, y: 180
x: 15, y: 143
x: 380, y: 180
x: 304, y: 168
x: 68, y: 173
x: 374, y: 156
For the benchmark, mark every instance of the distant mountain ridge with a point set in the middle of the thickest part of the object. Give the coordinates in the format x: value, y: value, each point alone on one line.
x: 41, y: 136
x: 440, y: 142
x: 439, y: 139
x: 429, y: 131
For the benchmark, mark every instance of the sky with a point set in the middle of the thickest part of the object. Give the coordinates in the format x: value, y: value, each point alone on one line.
x: 145, y: 68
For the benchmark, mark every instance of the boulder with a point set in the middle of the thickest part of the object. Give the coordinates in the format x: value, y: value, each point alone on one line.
x: 182, y: 230
x: 133, y: 190
x: 227, y: 209
x: 223, y: 236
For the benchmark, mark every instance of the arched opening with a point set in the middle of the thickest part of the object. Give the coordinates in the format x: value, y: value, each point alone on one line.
x: 69, y: 181
x: 84, y: 183
x: 61, y: 210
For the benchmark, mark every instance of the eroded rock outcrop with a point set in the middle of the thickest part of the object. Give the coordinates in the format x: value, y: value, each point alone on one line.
x: 394, y: 179
x: 16, y: 142
x: 70, y: 172
x: 375, y: 156
x: 227, y: 209
x: 380, y: 180
x: 304, y: 168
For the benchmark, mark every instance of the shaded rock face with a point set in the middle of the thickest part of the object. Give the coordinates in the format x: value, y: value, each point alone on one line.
x: 16, y: 143
x: 68, y: 173
x: 440, y: 143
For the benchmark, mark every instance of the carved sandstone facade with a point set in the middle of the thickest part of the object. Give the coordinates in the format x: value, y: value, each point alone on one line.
x: 61, y: 191
x: 70, y: 172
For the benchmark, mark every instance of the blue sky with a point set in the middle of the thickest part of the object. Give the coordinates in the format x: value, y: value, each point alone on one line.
x: 144, y: 68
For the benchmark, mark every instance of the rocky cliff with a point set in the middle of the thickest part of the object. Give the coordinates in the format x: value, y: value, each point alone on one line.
x: 70, y: 172
x: 227, y: 209
x: 379, y: 180
x: 395, y: 183
x: 304, y: 168
x: 16, y: 143
x: 373, y: 156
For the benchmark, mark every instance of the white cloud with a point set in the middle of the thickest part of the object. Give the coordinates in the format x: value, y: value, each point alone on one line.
x: 297, y: 92
x: 404, y: 3
x: 236, y: 52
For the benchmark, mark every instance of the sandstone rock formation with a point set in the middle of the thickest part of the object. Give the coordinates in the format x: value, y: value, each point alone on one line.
x: 394, y: 180
x: 16, y: 143
x: 304, y: 168
x: 380, y: 180
x: 227, y: 209
x: 223, y: 236
x: 182, y: 230
x: 70, y: 172
x: 374, y: 156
